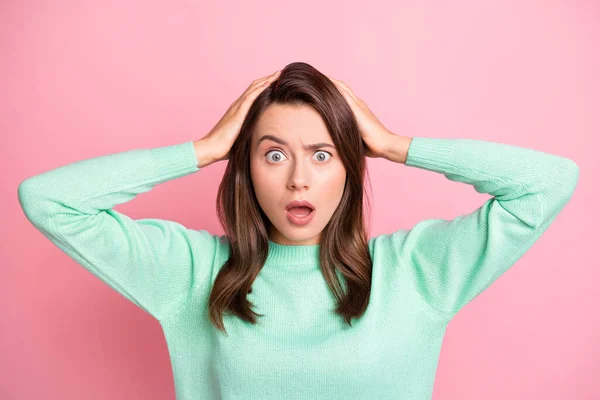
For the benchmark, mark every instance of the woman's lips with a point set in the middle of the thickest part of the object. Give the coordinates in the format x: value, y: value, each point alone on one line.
x: 297, y: 219
x: 299, y: 203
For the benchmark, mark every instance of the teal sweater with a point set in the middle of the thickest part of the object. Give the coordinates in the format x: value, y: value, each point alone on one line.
x: 300, y: 349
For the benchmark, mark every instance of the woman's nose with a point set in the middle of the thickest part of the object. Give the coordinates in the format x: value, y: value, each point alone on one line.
x: 300, y: 175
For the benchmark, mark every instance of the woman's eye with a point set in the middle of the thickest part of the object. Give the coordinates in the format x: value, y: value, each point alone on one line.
x: 321, y: 158
x: 277, y: 158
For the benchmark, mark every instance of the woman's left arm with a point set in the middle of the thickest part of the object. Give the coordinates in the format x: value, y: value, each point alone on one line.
x: 449, y: 263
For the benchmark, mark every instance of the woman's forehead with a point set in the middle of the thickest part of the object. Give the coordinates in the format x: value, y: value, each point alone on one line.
x: 301, y: 125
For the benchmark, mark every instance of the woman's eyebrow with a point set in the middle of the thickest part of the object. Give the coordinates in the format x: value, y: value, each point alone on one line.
x: 285, y: 143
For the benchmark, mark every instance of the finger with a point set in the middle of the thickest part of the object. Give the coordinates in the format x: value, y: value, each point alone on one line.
x: 263, y: 83
x: 335, y: 81
x: 258, y: 83
x: 337, y: 84
x: 253, y: 93
x: 264, y: 79
x: 349, y: 91
x: 344, y: 89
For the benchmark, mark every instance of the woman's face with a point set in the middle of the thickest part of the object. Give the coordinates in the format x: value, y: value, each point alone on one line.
x: 283, y: 172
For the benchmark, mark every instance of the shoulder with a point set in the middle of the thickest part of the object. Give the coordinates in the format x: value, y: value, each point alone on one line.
x: 386, y: 245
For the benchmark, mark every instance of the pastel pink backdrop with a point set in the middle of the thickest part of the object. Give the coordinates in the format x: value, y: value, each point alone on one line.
x: 85, y: 78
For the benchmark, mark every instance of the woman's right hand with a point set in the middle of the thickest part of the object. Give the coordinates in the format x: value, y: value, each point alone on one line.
x: 220, y: 139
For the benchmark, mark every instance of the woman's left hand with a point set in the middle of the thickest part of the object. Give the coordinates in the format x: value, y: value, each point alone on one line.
x: 374, y: 134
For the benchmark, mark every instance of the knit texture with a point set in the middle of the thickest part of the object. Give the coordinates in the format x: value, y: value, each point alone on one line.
x: 301, y: 349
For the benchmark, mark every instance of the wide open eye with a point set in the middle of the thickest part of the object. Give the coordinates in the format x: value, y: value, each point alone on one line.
x: 277, y: 158
x: 320, y: 158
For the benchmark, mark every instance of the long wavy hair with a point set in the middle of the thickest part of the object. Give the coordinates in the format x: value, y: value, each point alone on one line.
x: 344, y: 241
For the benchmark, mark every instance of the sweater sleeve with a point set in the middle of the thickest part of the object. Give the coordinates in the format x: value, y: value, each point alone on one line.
x: 450, y: 262
x: 153, y: 263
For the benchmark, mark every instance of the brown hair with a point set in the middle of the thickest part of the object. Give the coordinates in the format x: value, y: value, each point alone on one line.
x: 344, y: 241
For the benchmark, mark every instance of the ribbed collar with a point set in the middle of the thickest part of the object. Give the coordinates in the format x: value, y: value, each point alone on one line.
x: 297, y: 257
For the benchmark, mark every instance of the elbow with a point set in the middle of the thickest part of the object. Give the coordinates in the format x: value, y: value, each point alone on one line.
x: 25, y: 194
x: 560, y: 192
x: 32, y: 201
x: 570, y: 178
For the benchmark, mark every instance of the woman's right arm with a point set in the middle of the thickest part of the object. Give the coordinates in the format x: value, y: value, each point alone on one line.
x: 154, y: 263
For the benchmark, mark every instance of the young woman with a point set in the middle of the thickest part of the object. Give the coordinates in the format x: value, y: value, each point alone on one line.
x: 295, y: 301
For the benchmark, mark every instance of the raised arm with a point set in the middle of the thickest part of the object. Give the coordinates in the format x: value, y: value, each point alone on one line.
x: 450, y: 262
x: 154, y: 263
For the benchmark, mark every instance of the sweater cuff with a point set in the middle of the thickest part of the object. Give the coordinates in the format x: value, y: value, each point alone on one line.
x: 174, y: 160
x: 433, y: 154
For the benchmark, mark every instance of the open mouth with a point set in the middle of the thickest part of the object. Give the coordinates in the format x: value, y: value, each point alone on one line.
x: 300, y: 215
x: 300, y: 211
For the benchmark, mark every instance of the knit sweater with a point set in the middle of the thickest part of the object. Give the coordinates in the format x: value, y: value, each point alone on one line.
x: 300, y: 349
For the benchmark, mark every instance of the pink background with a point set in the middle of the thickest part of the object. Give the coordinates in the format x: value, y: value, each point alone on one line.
x: 87, y: 78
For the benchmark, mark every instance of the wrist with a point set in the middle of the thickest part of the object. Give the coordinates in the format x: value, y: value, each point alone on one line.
x: 203, y: 152
x: 397, y: 148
